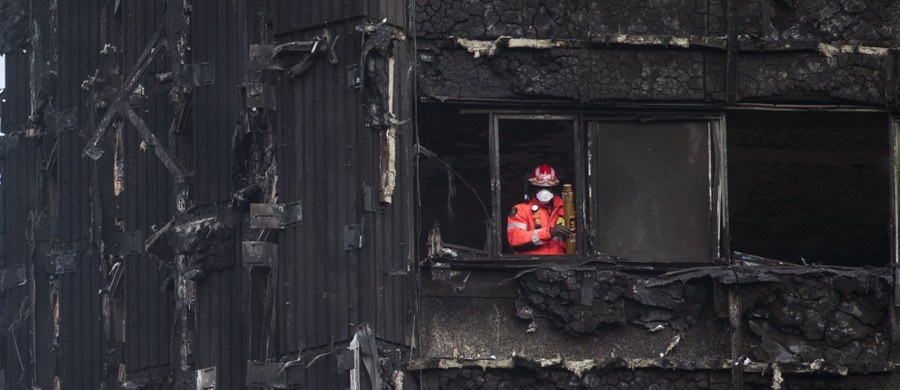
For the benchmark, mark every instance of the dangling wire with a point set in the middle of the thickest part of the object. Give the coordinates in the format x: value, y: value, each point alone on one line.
x: 451, y: 193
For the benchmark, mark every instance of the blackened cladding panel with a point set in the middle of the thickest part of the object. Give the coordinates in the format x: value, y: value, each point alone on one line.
x: 147, y: 203
x: 808, y: 77
x: 216, y: 107
x: 216, y: 115
x: 570, y: 74
x: 562, y: 19
x: 326, y: 157
x: 78, y: 56
x: 81, y: 326
x: 323, y: 138
x: 866, y: 22
x: 652, y: 190
x: 20, y: 181
x: 80, y: 333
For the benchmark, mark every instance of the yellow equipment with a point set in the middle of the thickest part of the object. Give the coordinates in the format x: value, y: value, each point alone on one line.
x: 569, y: 213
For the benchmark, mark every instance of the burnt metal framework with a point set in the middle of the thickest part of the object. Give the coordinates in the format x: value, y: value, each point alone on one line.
x: 260, y: 134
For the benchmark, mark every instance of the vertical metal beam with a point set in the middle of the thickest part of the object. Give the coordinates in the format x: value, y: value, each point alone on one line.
x: 735, y: 310
x: 494, y: 243
x: 894, y: 128
x: 581, y: 181
x: 731, y: 52
x: 178, y: 22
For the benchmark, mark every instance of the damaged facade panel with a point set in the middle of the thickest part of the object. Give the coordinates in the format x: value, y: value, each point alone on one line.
x: 21, y: 220
x: 217, y: 108
x: 147, y: 290
x: 838, y: 320
x: 858, y: 22
x: 569, y: 19
x: 570, y: 75
x: 854, y: 77
x: 574, y: 316
x: 343, y: 154
x: 583, y: 326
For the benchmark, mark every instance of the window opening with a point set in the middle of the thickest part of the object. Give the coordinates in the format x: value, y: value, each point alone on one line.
x: 811, y: 187
x: 454, y: 178
x: 523, y: 143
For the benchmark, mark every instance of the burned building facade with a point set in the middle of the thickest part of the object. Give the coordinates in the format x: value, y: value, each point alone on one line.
x: 273, y: 194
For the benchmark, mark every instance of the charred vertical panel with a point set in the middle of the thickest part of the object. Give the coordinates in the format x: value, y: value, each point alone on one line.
x: 147, y: 202
x: 22, y: 176
x: 327, y: 155
x: 80, y: 347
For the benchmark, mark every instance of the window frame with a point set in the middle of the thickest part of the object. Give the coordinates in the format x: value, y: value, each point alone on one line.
x: 718, y: 201
x: 719, y: 240
x: 495, y: 243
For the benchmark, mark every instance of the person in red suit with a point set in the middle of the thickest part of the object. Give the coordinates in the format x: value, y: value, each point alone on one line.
x: 537, y: 226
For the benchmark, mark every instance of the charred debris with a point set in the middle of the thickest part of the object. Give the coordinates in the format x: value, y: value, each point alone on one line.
x: 273, y: 194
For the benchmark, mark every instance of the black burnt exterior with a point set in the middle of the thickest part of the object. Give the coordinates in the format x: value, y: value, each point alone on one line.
x: 269, y: 193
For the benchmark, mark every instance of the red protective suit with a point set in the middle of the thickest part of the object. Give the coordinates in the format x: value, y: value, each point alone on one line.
x: 523, y: 233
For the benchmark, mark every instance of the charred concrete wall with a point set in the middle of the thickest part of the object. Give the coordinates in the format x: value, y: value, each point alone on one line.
x: 624, y: 378
x: 711, y: 51
x: 577, y: 327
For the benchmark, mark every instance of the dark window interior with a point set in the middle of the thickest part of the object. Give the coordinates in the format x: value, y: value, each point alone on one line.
x: 455, y: 185
x: 811, y: 187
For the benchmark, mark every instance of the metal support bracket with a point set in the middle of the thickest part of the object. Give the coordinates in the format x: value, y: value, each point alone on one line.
x: 14, y: 276
x: 369, y: 194
x: 260, y: 95
x: 63, y: 263
x: 274, y: 374
x: 261, y: 57
x: 345, y: 360
x: 275, y: 215
x: 127, y: 243
x: 354, y: 79
x: 259, y: 254
x: 67, y: 120
x: 206, y: 378
x: 196, y: 75
x: 353, y: 236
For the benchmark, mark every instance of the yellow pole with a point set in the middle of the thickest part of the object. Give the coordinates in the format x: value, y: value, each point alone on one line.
x: 568, y: 196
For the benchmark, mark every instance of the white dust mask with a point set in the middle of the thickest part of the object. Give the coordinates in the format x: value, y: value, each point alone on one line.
x: 544, y: 196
